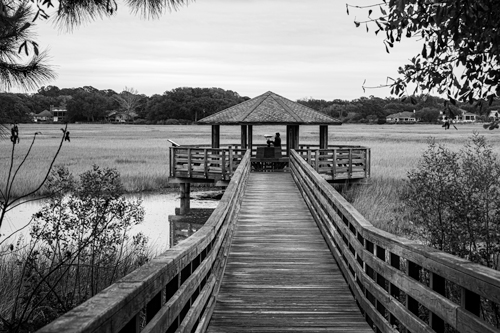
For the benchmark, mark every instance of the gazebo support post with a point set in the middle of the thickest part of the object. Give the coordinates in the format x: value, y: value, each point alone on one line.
x: 323, y: 136
x: 244, y: 136
x: 215, y: 136
x: 250, y: 136
x: 292, y: 138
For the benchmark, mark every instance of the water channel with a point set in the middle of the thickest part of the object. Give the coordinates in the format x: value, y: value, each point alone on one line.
x: 156, y: 225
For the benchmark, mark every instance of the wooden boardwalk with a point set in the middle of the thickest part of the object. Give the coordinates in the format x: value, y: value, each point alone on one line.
x: 280, y: 275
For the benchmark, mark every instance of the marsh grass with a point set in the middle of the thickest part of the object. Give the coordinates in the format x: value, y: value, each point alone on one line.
x: 141, y: 154
x: 69, y: 281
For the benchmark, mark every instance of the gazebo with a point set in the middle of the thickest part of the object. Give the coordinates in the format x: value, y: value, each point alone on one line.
x: 216, y: 164
x: 270, y: 109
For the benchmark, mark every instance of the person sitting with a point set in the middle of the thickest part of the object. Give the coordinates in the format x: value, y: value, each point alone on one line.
x: 277, y: 141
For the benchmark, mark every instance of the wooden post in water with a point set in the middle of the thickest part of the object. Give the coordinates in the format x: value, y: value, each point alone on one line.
x: 185, y: 189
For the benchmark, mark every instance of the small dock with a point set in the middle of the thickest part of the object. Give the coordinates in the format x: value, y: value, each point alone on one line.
x: 280, y: 275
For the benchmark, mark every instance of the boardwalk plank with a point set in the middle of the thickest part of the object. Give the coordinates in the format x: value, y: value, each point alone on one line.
x: 280, y: 275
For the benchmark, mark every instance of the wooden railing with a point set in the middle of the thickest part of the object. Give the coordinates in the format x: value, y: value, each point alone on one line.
x: 339, y: 163
x: 176, y: 291
x: 400, y: 285
x: 206, y: 163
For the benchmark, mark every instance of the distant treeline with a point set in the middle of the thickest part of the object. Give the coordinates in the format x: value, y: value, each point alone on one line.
x: 186, y: 105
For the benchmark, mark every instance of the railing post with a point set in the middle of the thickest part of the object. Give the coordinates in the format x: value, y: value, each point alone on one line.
x: 413, y: 272
x: 189, y: 162
x: 334, y: 164
x: 350, y: 164
x: 205, y: 151
x: 438, y: 284
x: 368, y: 162
x: 172, y: 161
x: 223, y: 164
x: 381, y: 281
x: 230, y: 161
x: 309, y: 157
x: 393, y: 290
x: 369, y: 271
x: 316, y: 157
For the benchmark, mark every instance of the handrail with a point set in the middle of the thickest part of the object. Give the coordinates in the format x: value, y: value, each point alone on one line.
x: 175, y: 292
x: 399, y: 284
x: 205, y: 163
x: 340, y: 162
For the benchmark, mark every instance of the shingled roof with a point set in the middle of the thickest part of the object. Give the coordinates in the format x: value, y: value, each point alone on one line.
x: 269, y: 108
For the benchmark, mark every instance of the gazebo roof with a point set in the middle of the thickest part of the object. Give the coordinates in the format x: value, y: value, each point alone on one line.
x: 269, y: 108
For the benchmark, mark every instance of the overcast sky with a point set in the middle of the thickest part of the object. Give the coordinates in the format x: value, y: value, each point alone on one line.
x: 295, y: 48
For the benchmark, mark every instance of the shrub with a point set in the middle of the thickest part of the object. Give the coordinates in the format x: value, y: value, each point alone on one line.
x: 79, y: 245
x: 171, y: 122
x: 455, y: 198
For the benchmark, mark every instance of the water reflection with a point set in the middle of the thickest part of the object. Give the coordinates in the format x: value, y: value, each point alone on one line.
x: 156, y: 225
x: 183, y: 226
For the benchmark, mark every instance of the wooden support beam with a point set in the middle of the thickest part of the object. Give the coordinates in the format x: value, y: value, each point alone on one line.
x: 323, y: 136
x: 250, y: 136
x: 215, y: 136
x: 244, y: 136
x: 292, y: 138
x: 185, y: 189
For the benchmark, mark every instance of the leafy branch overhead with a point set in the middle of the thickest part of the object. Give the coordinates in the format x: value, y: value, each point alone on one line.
x: 460, y: 52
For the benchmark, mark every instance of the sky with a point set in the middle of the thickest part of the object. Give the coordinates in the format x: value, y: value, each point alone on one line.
x: 295, y: 48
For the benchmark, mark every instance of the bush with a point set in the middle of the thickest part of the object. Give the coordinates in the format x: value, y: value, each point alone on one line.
x: 79, y: 245
x: 455, y: 199
x: 172, y: 122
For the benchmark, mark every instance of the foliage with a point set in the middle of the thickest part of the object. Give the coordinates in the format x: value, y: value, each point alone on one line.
x: 87, y: 105
x: 190, y: 103
x: 79, y: 245
x: 129, y: 101
x: 16, y: 24
x: 455, y: 199
x: 428, y: 114
x: 461, y: 41
x: 17, y: 67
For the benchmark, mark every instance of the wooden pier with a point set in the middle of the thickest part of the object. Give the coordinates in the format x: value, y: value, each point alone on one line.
x: 279, y: 255
x: 280, y: 275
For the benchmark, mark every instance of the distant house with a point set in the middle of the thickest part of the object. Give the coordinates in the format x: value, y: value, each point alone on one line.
x: 56, y: 114
x: 45, y: 115
x: 59, y: 113
x: 494, y: 114
x: 401, y: 117
x: 121, y: 117
x: 463, y: 116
